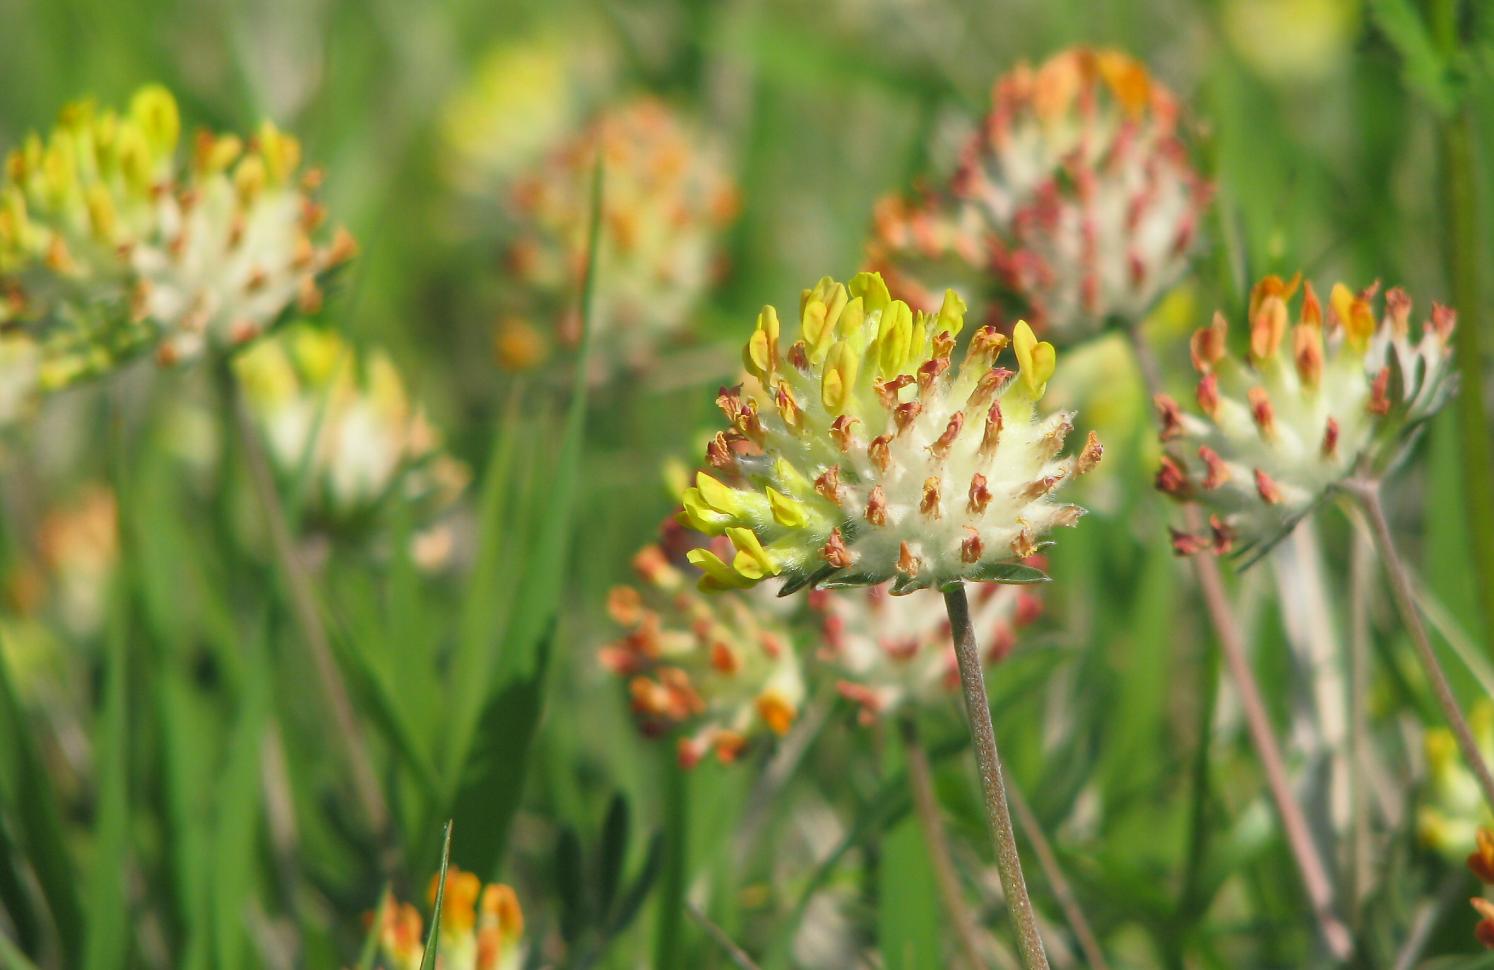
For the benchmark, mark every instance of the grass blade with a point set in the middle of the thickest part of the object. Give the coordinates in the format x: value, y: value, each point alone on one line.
x: 433, y: 938
x: 107, y: 943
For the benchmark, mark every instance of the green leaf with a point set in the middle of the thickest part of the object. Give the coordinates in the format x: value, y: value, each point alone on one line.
x: 433, y: 938
x: 370, y: 949
x: 26, y: 789
x: 637, y: 892
x: 568, y: 885
x: 1424, y: 68
x: 1010, y: 573
x: 107, y: 941
x: 12, y: 958
x: 908, y: 918
x: 235, y: 836
x: 614, y: 852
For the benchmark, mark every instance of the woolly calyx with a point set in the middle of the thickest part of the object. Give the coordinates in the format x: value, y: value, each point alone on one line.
x: 861, y: 454
x: 889, y: 652
x: 115, y: 240
x: 1340, y: 393
x: 714, y: 670
x: 1075, y: 204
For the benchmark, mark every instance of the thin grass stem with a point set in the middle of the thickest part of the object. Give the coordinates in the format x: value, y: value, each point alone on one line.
x: 993, y: 786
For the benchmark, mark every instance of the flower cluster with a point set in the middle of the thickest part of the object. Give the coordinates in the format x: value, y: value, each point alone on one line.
x: 481, y: 927
x: 862, y: 455
x: 887, y: 652
x: 113, y: 241
x: 345, y: 422
x: 1452, y: 808
x: 1076, y: 203
x: 1340, y: 393
x: 716, y: 668
x: 665, y: 202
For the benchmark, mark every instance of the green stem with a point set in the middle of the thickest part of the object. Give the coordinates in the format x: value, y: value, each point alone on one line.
x: 993, y: 786
x: 946, y: 878
x: 1367, y: 494
x: 1460, y: 212
x: 668, y: 949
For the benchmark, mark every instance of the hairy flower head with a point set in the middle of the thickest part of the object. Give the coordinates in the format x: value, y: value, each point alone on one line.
x: 116, y: 238
x: 716, y: 669
x: 666, y: 200
x: 860, y: 453
x: 481, y: 927
x: 345, y: 421
x: 1075, y: 204
x: 1452, y: 808
x: 887, y: 652
x: 1340, y: 392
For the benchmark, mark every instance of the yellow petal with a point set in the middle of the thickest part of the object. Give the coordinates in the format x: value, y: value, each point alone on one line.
x: 752, y: 560
x: 717, y: 574
x: 1037, y: 360
x: 951, y: 313
x: 786, y: 512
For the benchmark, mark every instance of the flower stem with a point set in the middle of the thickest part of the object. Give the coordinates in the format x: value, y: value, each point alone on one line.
x: 1057, y: 882
x: 926, y: 807
x: 1310, y: 866
x: 978, y: 709
x: 297, y: 582
x: 1367, y: 495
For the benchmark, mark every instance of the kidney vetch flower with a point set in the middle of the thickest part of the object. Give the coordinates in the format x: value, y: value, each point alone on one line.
x: 1340, y: 394
x: 719, y: 670
x: 1075, y: 204
x: 114, y: 241
x: 862, y: 455
x: 482, y: 927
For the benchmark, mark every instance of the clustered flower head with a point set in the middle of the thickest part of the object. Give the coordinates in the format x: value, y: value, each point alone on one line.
x: 1076, y: 203
x: 862, y: 454
x: 717, y: 670
x: 1339, y: 394
x: 345, y: 421
x: 115, y: 240
x: 666, y: 199
x: 481, y: 927
x: 888, y: 652
x: 1452, y: 808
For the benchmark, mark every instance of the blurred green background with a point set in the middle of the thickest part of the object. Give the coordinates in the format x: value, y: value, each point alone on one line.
x: 135, y: 829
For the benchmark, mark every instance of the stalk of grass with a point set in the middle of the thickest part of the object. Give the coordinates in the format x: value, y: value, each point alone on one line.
x: 926, y: 807
x: 428, y: 958
x: 668, y: 949
x: 296, y: 580
x: 993, y: 785
x: 1310, y: 865
x: 1462, y: 234
x: 1366, y: 495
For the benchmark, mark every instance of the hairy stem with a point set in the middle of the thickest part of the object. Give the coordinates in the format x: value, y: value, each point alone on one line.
x: 993, y: 787
x: 1310, y: 866
x: 926, y: 807
x: 297, y: 582
x: 1367, y: 494
x: 1094, y: 957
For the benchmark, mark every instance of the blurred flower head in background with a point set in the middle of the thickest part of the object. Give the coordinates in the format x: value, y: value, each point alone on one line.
x: 1290, y: 41
x: 482, y: 927
x: 887, y: 652
x: 720, y: 670
x: 861, y: 455
x: 345, y: 420
x: 1452, y: 808
x: 116, y: 240
x: 1340, y: 394
x: 667, y: 198
x: 1076, y: 204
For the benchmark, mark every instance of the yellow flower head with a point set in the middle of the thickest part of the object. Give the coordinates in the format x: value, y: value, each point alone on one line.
x: 1452, y: 808
x: 1339, y: 392
x: 481, y: 927
x: 862, y: 454
x: 117, y: 238
x: 1075, y: 205
x: 717, y: 670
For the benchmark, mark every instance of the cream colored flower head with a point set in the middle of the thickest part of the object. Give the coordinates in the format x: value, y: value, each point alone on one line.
x: 716, y: 672
x: 1452, y: 807
x: 116, y: 238
x: 345, y: 421
x: 1076, y: 204
x: 1340, y: 393
x: 862, y: 454
x: 667, y: 198
x: 890, y: 652
x: 482, y: 927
